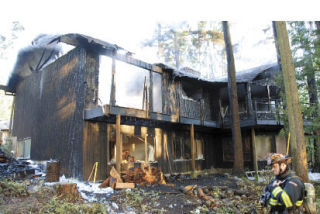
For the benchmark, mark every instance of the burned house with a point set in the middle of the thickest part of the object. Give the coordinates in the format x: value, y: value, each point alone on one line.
x: 97, y: 103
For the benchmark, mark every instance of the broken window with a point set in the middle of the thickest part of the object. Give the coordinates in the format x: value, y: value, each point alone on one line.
x: 133, y: 146
x: 105, y: 76
x: 182, y: 148
x: 130, y: 81
x: 157, y: 94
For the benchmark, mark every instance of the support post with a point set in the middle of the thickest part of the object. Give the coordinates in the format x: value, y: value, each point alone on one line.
x: 108, y: 143
x: 118, y: 144
x: 254, y: 152
x: 151, y: 92
x: 193, y: 149
x: 269, y: 98
x: 249, y: 101
x: 11, y: 116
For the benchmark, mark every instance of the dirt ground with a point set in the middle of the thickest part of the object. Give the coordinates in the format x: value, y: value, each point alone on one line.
x: 227, y: 194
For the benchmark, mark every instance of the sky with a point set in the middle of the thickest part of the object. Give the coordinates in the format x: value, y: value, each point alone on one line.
x: 128, y: 23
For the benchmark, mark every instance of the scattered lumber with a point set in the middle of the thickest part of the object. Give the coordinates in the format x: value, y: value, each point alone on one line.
x: 105, y: 183
x: 146, y: 175
x: 204, y: 196
x: 125, y: 186
x: 116, y: 175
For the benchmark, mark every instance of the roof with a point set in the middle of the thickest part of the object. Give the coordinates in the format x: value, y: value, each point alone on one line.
x: 4, y: 124
x: 241, y: 76
x: 249, y: 74
x: 87, y: 41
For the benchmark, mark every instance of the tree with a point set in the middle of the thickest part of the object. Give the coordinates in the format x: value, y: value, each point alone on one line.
x: 196, y: 47
x: 297, y: 145
x: 6, y: 43
x: 305, y: 52
x: 233, y: 100
x: 7, y: 40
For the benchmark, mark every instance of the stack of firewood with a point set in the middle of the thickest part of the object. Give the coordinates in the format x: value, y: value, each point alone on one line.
x: 143, y: 176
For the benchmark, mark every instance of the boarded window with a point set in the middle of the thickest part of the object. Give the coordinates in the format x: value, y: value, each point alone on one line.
x: 105, y: 78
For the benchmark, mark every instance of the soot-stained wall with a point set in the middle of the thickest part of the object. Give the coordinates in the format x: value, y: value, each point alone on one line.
x: 49, y: 109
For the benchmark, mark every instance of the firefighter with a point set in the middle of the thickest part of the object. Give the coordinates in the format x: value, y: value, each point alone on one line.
x: 287, y: 189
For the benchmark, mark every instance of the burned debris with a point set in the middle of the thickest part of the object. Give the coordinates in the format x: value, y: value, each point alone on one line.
x: 14, y: 169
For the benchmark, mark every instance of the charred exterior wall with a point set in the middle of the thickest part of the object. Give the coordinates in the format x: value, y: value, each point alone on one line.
x: 163, y: 141
x: 95, y: 149
x: 49, y: 109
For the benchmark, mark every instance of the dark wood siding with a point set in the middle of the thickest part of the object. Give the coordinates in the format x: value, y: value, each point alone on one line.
x: 95, y: 149
x: 49, y: 109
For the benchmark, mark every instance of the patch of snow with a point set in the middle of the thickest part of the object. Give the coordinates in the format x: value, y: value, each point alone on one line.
x: 197, y: 211
x: 237, y: 178
x: 89, y: 191
x: 115, y: 206
x: 251, y: 178
x: 314, y: 176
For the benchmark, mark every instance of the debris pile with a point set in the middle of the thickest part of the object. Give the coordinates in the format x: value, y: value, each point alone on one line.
x: 12, y: 168
x: 242, y: 199
x: 143, y: 176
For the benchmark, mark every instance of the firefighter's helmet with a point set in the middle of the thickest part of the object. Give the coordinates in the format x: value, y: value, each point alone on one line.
x: 278, y: 158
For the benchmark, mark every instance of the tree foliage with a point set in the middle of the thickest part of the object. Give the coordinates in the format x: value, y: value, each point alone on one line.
x: 199, y: 47
x: 7, y: 39
x: 306, y: 53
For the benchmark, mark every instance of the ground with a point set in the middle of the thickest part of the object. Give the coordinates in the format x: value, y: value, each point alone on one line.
x: 224, y: 194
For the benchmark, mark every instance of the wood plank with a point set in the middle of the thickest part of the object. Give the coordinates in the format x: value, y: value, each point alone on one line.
x: 118, y: 146
x: 125, y: 185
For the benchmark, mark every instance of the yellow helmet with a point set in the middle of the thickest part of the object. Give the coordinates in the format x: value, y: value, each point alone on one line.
x: 278, y: 158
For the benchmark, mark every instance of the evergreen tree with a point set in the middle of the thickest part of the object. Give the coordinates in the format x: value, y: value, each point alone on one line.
x: 305, y: 44
x: 238, y: 167
x: 197, y: 47
x: 298, y: 147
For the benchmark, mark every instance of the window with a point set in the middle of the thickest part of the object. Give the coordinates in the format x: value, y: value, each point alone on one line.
x: 157, y: 93
x: 130, y: 85
x: 105, y: 76
x: 182, y: 147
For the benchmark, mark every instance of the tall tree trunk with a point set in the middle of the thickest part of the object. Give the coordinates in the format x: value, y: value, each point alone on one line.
x: 298, y: 146
x: 313, y: 96
x: 233, y: 101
